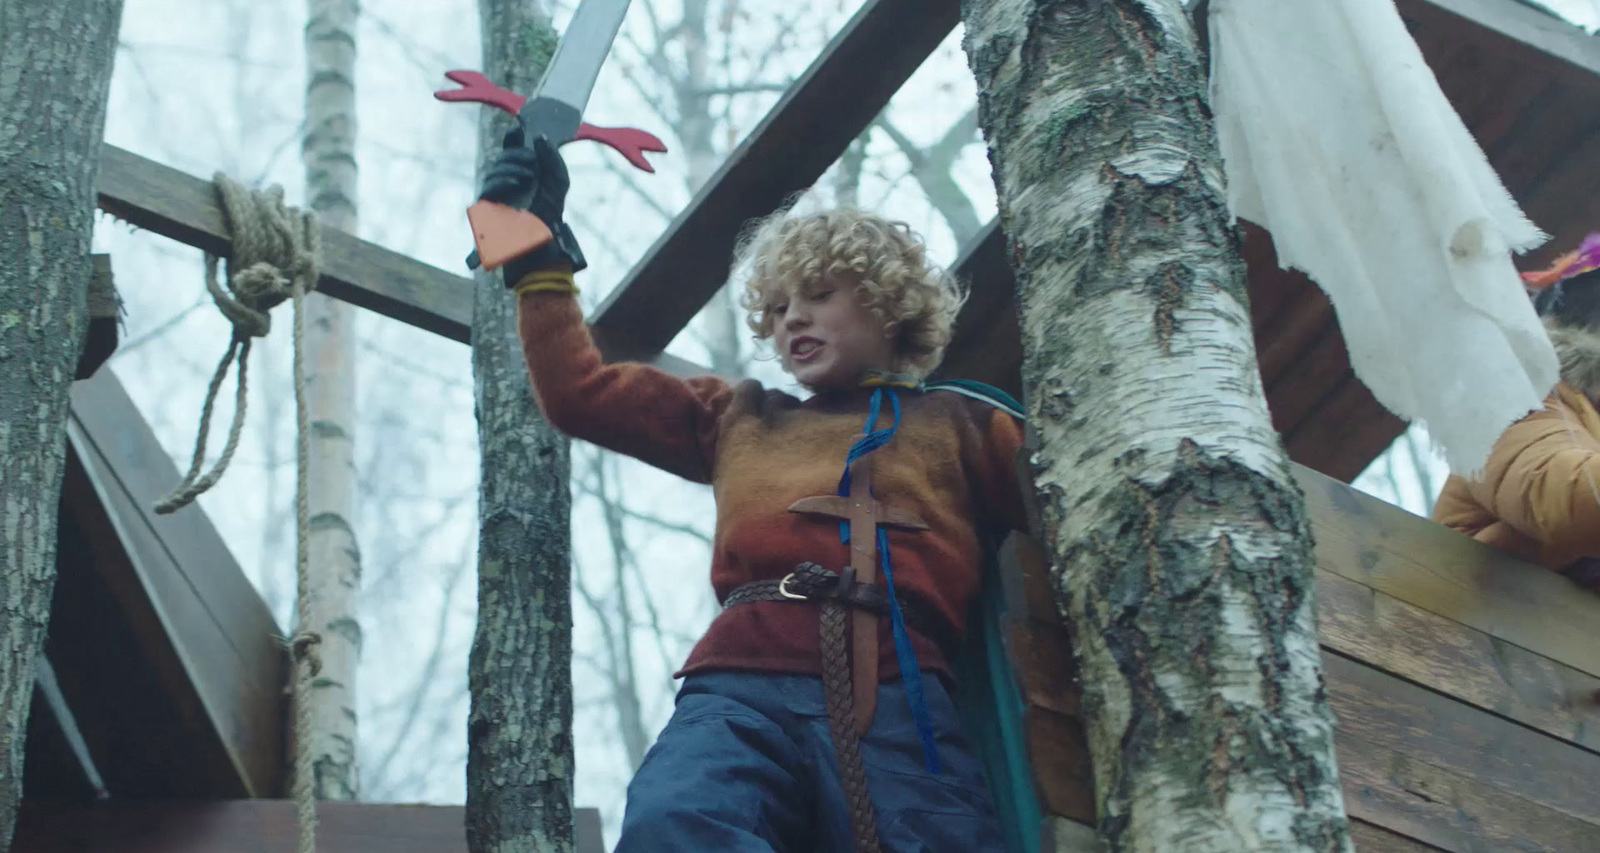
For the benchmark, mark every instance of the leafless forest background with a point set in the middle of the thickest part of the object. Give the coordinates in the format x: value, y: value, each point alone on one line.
x: 220, y: 85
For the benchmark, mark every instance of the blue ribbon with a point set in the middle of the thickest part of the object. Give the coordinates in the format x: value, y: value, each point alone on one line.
x: 910, y: 672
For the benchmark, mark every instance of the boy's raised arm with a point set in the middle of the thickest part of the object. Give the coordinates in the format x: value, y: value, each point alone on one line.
x: 634, y: 409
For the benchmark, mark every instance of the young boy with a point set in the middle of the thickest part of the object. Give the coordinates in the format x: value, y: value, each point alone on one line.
x: 1539, y: 496
x: 850, y: 520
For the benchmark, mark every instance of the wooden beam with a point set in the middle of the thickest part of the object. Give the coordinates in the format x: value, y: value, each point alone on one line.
x: 1432, y: 567
x: 255, y: 826
x: 1464, y: 663
x: 1509, y: 766
x: 1371, y: 838
x: 1558, y: 46
x: 199, y: 629
x: 986, y: 343
x: 809, y: 128
x: 174, y: 204
x: 1413, y: 797
x: 177, y: 205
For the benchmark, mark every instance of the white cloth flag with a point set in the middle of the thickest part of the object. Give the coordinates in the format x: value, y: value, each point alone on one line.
x: 1337, y: 139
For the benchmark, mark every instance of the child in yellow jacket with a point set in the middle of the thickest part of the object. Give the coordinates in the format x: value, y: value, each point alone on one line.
x: 1539, y: 495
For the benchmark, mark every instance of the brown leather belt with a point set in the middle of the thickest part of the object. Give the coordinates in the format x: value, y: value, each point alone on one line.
x: 837, y: 594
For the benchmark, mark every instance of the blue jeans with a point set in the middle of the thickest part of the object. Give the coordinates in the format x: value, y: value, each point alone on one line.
x: 747, y: 764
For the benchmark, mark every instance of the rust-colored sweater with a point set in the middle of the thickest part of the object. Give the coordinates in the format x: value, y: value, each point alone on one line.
x: 951, y: 462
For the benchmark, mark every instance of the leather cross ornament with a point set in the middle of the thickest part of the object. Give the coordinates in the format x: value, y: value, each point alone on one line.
x: 865, y: 515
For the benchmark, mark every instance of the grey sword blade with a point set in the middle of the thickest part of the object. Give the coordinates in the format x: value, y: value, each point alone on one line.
x: 582, y: 50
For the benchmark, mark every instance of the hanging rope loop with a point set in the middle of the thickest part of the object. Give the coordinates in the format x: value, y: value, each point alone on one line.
x: 276, y: 252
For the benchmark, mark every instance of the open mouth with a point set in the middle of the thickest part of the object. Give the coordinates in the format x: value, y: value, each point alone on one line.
x: 804, y: 349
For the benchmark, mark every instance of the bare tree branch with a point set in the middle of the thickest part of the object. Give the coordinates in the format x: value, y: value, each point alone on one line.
x: 932, y: 169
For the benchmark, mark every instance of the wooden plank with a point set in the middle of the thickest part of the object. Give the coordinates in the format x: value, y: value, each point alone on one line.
x: 1045, y: 669
x: 1271, y: 288
x: 1443, y: 572
x: 1390, y: 635
x: 193, y: 610
x: 174, y: 204
x: 1280, y: 346
x: 1528, y: 36
x: 1560, y: 197
x: 1417, y: 800
x: 1062, y: 775
x: 1452, y: 736
x: 986, y: 343
x: 1466, y: 664
x: 1319, y: 371
x: 254, y: 826
x: 809, y: 128
x: 1489, y: 90
x: 144, y: 722
x: 1345, y: 433
x: 1370, y: 838
x: 1549, y: 126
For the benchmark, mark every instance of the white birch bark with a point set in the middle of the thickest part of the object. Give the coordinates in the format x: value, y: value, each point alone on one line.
x: 55, y: 75
x: 1179, y: 538
x: 328, y: 151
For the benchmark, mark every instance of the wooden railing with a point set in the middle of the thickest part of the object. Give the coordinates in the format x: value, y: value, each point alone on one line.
x: 1466, y: 685
x: 256, y: 826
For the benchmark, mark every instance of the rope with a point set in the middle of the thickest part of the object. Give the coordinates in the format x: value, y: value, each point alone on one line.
x: 276, y: 249
x: 276, y: 252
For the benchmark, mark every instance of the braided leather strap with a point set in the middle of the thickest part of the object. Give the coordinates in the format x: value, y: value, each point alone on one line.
x: 842, y: 724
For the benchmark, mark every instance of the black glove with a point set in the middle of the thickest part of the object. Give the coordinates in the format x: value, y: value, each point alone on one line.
x: 534, y: 178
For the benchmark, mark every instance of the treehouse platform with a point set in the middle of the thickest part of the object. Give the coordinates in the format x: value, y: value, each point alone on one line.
x: 1466, y: 683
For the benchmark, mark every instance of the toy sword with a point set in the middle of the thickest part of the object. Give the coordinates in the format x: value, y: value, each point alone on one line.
x: 503, y: 233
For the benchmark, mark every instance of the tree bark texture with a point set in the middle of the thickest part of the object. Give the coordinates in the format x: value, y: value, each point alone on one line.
x: 55, y: 77
x: 519, y: 739
x: 1180, y: 543
x: 328, y: 152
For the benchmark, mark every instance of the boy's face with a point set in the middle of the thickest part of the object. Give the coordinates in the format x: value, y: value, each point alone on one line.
x: 827, y: 338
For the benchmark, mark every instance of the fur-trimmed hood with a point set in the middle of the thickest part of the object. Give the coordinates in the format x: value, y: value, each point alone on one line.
x: 1579, y: 351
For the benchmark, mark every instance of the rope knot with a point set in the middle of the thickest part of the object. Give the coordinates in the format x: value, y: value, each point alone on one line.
x: 276, y: 251
x: 275, y: 247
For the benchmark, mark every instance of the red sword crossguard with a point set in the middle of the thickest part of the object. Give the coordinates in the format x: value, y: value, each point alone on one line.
x: 631, y: 143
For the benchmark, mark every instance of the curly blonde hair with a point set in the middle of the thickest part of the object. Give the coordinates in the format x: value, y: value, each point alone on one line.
x: 916, y: 298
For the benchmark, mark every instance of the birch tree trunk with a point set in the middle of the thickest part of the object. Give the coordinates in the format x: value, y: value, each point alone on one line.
x: 328, y: 151
x: 1180, y: 543
x: 519, y: 735
x: 55, y: 75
